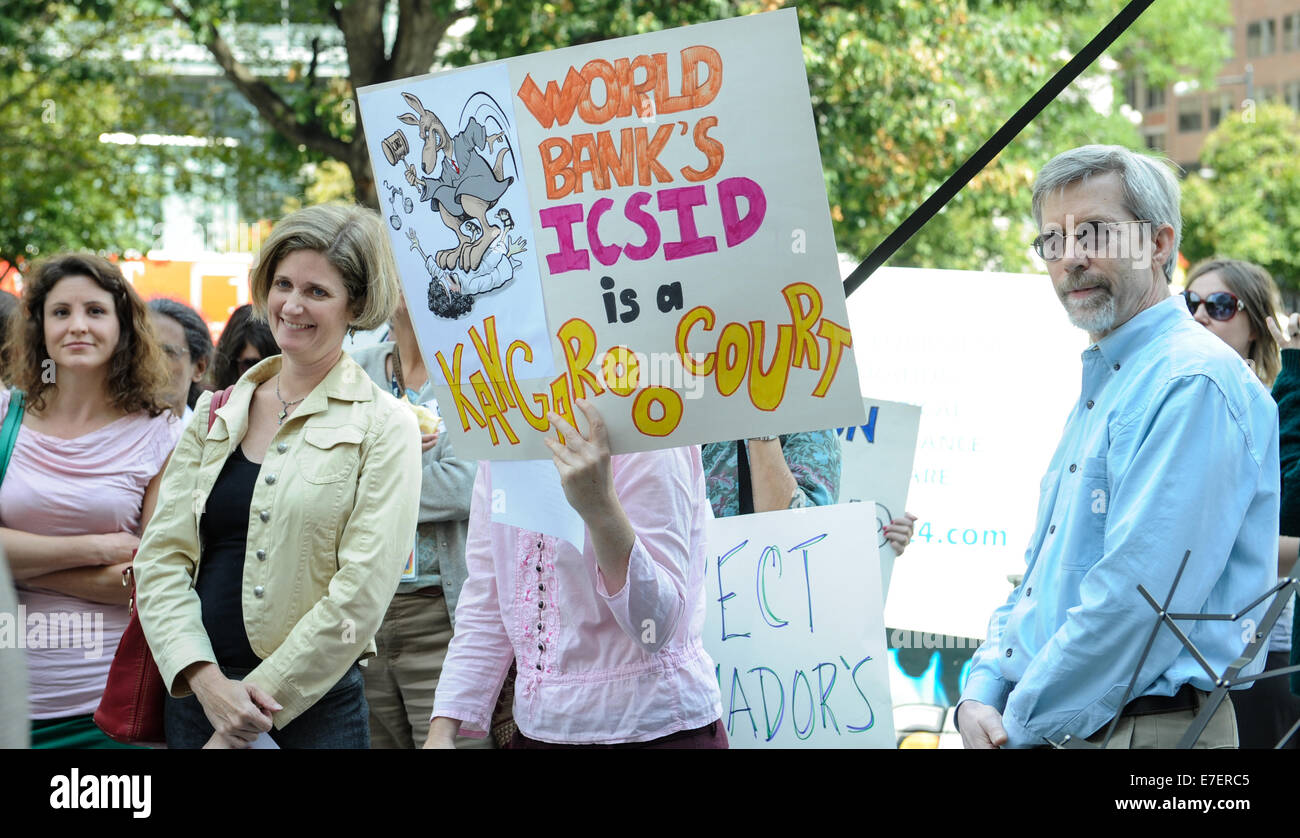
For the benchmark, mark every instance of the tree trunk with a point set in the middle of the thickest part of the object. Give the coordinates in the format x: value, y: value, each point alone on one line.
x: 363, y: 176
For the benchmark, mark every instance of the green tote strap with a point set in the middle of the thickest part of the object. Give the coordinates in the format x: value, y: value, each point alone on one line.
x: 9, y: 431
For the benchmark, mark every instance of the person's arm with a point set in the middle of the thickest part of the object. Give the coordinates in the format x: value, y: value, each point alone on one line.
x: 104, y: 583
x: 640, y: 517
x: 1288, y: 550
x: 480, y: 654
x: 373, y: 544
x: 32, y: 555
x: 446, y: 484
x: 802, y: 469
x: 170, y: 612
x: 1076, y: 681
x: 770, y: 479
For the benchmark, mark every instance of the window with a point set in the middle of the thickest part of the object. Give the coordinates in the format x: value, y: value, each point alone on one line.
x: 1130, y: 90
x: 1155, y: 98
x: 1291, y: 93
x: 1220, y: 107
x: 1291, y: 32
x: 1261, y: 38
x: 1155, y: 140
x: 1189, y: 115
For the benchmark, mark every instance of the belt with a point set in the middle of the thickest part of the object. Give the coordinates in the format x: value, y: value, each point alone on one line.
x: 1187, y: 698
x: 431, y: 590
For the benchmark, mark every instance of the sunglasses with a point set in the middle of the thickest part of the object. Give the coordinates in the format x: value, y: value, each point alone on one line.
x: 1220, y: 305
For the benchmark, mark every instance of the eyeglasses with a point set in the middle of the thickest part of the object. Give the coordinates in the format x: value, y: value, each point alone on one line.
x: 1220, y: 305
x: 1091, y: 239
x: 175, y: 352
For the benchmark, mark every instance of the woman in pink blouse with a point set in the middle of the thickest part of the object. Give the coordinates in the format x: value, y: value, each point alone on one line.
x: 82, y: 480
x: 607, y: 641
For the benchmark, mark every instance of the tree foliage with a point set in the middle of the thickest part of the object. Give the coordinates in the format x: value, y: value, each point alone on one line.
x: 903, y: 91
x: 1246, y: 204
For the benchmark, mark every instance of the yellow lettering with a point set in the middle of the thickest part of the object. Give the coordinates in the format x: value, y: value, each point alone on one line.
x: 463, y: 405
x: 578, y: 358
x: 767, y: 386
x: 733, y: 358
x: 490, y: 411
x: 837, y: 338
x: 490, y: 355
x: 540, y: 423
x: 669, y: 402
x: 803, y: 321
x: 624, y: 383
x: 695, y: 315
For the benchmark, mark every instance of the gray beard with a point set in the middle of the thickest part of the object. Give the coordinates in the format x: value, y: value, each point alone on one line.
x: 1093, y: 318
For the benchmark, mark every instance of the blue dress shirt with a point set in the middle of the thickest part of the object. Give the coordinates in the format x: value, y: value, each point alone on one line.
x: 1173, y: 445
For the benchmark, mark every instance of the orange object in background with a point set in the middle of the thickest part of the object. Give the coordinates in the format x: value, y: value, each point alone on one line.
x: 214, y: 285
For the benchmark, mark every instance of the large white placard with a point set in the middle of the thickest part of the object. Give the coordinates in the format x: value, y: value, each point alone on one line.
x: 994, y: 364
x: 641, y: 221
x: 794, y: 626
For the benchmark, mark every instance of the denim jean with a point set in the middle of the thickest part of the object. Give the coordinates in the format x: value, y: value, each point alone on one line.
x: 340, y: 719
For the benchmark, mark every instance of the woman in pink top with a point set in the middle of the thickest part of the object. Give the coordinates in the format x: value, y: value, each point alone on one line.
x: 607, y: 641
x: 82, y: 480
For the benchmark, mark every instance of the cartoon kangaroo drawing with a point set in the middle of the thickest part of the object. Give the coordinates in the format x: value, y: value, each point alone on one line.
x: 465, y: 187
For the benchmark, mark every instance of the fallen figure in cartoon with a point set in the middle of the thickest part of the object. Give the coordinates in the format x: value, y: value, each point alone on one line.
x: 465, y: 188
x: 452, y: 295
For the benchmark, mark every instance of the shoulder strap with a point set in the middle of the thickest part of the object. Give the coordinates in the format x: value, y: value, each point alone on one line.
x: 219, y: 398
x: 9, y: 431
x: 744, y: 486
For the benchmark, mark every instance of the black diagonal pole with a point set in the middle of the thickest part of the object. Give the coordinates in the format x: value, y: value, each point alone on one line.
x: 1000, y: 140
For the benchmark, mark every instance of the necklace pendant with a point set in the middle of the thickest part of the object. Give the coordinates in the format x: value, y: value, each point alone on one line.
x: 283, y: 413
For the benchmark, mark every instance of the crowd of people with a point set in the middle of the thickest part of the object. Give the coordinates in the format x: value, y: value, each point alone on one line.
x: 315, y: 567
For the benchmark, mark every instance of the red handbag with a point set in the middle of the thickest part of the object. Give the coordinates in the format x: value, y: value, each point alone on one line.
x: 131, y: 709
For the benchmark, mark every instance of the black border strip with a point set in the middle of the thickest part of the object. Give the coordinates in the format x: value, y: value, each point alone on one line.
x: 1000, y: 140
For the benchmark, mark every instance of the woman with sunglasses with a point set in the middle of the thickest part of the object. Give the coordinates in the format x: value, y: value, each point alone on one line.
x: 244, y: 343
x: 1236, y: 301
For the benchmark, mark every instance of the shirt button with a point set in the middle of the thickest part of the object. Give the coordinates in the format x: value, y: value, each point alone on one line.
x: 270, y: 479
x: 1090, y: 403
x: 265, y: 515
x: 541, y: 605
x: 539, y: 568
x: 1051, y: 529
x: 1028, y: 591
x: 261, y: 555
x: 1008, y: 653
x: 541, y: 587
x: 1117, y: 368
x: 539, y: 667
x: 258, y: 591
x: 539, y: 626
x: 1073, y: 467
x: 282, y: 447
x: 541, y: 647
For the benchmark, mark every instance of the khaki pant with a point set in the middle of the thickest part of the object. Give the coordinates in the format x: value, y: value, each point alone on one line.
x: 403, y: 676
x: 1166, y: 730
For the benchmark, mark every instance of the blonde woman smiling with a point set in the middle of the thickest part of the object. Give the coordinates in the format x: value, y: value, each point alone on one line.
x: 285, y: 526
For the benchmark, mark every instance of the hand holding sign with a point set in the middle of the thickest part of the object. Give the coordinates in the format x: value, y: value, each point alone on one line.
x: 588, y: 481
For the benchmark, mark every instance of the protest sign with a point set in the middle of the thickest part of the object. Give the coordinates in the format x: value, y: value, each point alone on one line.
x: 994, y: 364
x: 876, y: 462
x: 641, y: 222
x: 794, y: 626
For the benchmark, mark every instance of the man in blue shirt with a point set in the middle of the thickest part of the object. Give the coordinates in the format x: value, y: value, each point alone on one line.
x: 1172, y: 446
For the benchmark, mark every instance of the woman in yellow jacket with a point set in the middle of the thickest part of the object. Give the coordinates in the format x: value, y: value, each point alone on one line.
x: 282, y: 530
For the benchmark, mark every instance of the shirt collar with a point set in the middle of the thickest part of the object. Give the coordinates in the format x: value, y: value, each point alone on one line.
x: 1129, y: 339
x: 345, y: 381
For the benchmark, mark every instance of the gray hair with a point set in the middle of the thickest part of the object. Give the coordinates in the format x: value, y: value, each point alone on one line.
x: 1150, y: 187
